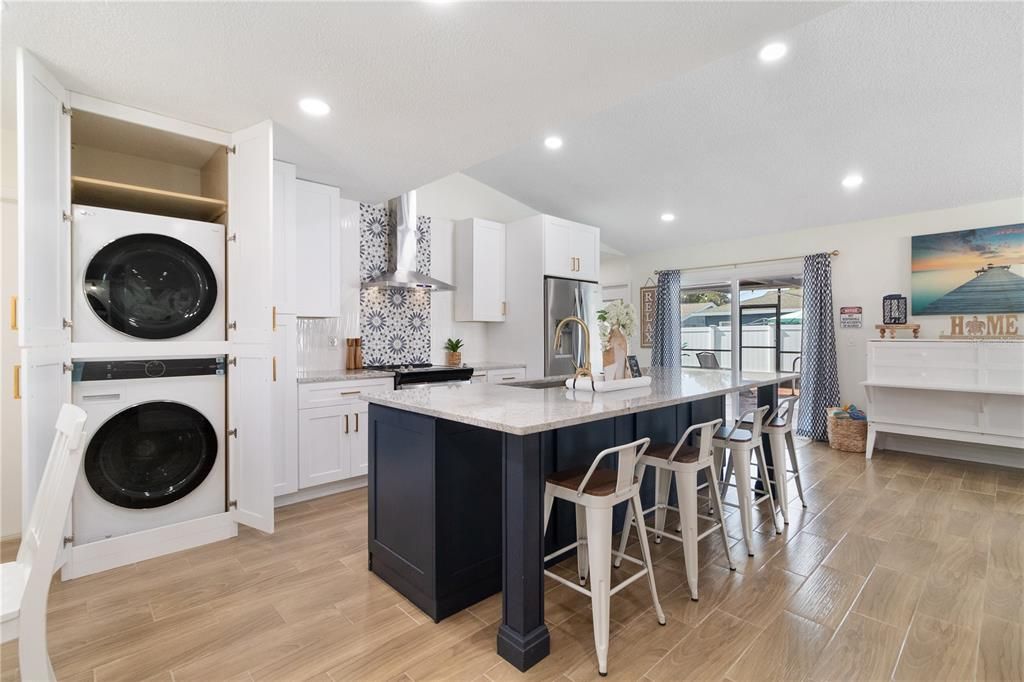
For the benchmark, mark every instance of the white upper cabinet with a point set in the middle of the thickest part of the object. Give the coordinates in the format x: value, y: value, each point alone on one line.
x: 479, y: 271
x: 350, y: 258
x: 558, y: 256
x: 43, y: 310
x: 571, y: 250
x: 285, y: 298
x: 317, y: 249
x: 586, y: 248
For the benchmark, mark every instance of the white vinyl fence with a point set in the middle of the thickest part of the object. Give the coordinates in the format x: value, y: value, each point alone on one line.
x: 719, y: 340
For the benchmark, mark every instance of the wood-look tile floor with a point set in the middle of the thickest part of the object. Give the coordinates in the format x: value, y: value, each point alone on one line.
x: 904, y: 567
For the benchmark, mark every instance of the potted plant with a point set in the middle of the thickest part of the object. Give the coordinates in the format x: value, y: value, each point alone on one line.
x: 454, y: 354
x: 616, y: 323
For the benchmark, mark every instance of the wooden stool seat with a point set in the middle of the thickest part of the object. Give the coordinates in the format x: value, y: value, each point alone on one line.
x: 600, y: 484
x: 738, y: 435
x: 594, y: 492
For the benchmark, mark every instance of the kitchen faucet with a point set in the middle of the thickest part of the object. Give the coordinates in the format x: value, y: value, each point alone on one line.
x: 585, y: 370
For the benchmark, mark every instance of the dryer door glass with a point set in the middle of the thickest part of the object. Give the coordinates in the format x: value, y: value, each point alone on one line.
x: 150, y: 286
x: 150, y: 455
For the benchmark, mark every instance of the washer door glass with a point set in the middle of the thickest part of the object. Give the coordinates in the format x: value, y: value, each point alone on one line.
x: 150, y: 286
x: 150, y: 455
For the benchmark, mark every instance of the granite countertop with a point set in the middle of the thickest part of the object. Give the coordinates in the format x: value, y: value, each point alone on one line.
x: 522, y: 411
x: 320, y: 376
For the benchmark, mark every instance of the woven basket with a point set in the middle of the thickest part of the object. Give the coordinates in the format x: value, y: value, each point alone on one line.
x: 849, y: 435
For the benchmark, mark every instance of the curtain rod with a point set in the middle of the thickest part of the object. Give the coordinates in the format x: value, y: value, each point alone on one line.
x: 834, y: 252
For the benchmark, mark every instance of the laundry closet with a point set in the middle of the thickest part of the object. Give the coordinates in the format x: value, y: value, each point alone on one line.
x: 143, y: 297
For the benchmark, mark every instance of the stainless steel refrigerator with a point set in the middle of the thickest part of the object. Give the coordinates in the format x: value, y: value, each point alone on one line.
x: 567, y: 298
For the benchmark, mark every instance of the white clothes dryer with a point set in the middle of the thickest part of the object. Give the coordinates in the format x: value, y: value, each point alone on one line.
x: 139, y: 277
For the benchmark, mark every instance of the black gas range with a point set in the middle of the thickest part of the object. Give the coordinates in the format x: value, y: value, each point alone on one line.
x: 419, y: 375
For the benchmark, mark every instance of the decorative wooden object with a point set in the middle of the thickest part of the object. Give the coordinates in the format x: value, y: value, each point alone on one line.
x: 893, y: 328
x: 647, y: 299
x: 614, y: 358
x: 1006, y: 327
x: 108, y: 194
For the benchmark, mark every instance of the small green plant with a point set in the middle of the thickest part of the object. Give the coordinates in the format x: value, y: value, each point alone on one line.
x: 453, y: 345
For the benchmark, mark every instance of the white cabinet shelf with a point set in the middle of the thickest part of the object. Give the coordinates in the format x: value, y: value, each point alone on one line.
x: 479, y: 271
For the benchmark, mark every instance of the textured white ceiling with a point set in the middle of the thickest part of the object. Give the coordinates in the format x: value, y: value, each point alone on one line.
x: 924, y: 99
x: 419, y: 90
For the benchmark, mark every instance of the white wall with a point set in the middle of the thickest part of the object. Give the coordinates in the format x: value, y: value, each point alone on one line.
x: 10, y: 414
x: 445, y: 201
x: 459, y: 196
x: 874, y: 260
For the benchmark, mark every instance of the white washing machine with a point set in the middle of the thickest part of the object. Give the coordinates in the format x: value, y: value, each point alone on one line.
x: 137, y: 276
x: 155, y: 444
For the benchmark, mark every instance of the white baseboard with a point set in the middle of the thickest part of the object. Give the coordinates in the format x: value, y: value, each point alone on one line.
x: 103, y: 555
x: 320, y: 491
x: 971, y: 452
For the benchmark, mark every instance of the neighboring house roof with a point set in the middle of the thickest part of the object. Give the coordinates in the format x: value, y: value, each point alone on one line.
x: 688, y: 309
x: 790, y: 302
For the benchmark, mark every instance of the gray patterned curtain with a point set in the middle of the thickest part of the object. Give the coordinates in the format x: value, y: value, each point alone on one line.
x: 819, y: 379
x: 666, y: 349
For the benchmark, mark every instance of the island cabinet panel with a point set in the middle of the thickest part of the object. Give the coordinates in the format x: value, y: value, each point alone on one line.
x: 434, y: 509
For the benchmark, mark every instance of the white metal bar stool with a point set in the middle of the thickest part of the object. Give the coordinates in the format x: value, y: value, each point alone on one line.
x: 740, y: 443
x: 779, y: 427
x: 595, y: 492
x: 683, y: 462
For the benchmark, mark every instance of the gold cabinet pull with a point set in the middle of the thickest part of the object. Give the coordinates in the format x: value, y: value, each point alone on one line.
x: 14, y: 313
x: 504, y: 308
x: 346, y: 423
x: 357, y: 422
x: 273, y: 367
x: 273, y: 318
x: 17, y: 382
x: 349, y: 392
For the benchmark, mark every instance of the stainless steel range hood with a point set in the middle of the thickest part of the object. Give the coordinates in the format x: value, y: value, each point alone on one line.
x: 402, y: 248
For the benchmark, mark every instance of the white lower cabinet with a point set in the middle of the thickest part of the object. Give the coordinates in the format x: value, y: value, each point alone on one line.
x: 501, y: 376
x: 324, y: 448
x: 333, y: 431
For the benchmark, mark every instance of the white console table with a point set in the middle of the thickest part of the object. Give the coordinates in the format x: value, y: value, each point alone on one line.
x: 971, y: 391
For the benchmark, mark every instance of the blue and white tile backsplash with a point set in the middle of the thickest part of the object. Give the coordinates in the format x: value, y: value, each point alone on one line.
x: 394, y: 323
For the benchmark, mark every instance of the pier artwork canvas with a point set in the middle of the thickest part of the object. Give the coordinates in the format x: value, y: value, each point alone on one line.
x: 968, y: 271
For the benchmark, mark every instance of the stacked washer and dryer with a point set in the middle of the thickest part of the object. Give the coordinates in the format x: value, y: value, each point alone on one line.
x: 155, y: 454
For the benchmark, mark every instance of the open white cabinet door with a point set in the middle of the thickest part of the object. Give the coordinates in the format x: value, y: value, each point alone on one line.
x: 250, y: 314
x: 44, y: 386
x: 44, y: 207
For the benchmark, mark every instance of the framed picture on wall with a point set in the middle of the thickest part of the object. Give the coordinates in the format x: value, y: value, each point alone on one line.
x: 968, y: 271
x: 647, y: 298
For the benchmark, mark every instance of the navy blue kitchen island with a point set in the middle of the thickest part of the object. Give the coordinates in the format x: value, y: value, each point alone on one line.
x: 456, y: 483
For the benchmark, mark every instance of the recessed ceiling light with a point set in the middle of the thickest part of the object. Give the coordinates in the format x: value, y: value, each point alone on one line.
x: 314, y: 106
x: 773, y: 52
x: 853, y: 181
x: 553, y: 142
x: 668, y: 217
